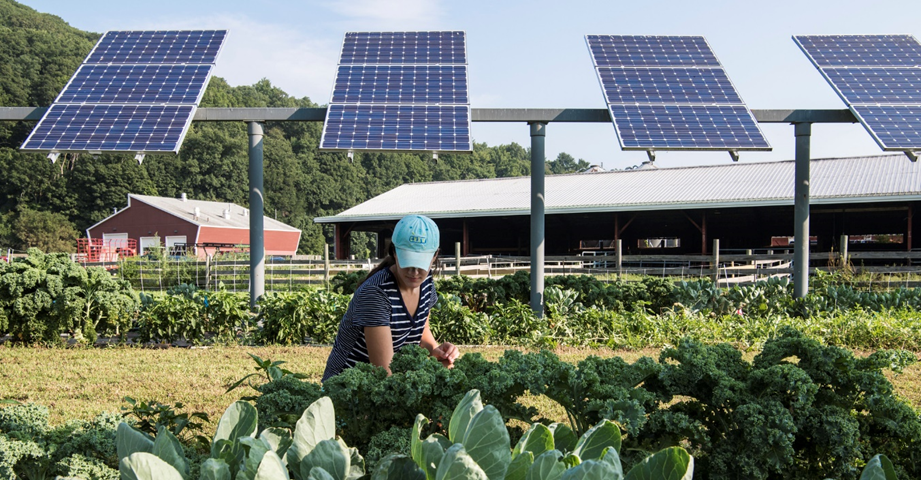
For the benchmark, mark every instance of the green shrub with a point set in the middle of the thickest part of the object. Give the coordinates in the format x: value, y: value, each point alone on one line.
x: 454, y: 322
x: 290, y: 318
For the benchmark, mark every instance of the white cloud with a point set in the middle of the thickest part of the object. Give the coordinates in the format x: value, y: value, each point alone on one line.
x: 390, y: 14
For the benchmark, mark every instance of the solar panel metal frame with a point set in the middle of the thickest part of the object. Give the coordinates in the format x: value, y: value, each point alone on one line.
x: 188, y: 122
x: 855, y: 107
x: 466, y: 105
x: 650, y: 67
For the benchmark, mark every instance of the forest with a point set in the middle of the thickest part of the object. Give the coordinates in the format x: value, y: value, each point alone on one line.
x: 49, y: 206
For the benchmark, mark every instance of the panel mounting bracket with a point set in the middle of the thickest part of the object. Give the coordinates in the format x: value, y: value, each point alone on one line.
x: 651, y: 154
x: 351, y: 155
x: 53, y: 156
x: 735, y: 155
x: 139, y: 157
x: 913, y: 156
x: 435, y: 156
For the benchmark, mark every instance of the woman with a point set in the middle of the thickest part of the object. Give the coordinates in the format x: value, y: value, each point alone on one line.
x: 391, y: 306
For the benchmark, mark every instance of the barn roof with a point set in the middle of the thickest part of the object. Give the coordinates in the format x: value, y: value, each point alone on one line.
x: 877, y: 178
x: 210, y: 214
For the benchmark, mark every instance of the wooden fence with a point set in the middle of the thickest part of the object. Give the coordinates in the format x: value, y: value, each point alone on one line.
x: 285, y: 274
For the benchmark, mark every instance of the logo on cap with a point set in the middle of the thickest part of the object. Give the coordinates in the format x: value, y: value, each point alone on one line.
x: 416, y: 239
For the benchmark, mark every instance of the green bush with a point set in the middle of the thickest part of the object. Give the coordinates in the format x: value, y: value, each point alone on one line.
x: 290, y: 318
x: 45, y: 295
x: 185, y: 312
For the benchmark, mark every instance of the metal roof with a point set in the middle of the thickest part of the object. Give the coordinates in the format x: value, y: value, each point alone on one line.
x: 210, y: 214
x: 878, y: 178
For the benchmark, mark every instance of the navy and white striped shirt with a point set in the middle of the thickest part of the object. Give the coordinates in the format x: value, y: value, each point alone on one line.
x: 378, y: 303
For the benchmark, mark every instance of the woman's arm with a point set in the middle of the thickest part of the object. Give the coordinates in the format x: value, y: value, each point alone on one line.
x: 379, y: 341
x: 446, y: 353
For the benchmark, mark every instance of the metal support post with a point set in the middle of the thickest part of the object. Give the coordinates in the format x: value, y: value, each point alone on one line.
x: 716, y: 261
x: 256, y: 217
x: 457, y: 258
x: 803, y: 133
x: 538, y: 135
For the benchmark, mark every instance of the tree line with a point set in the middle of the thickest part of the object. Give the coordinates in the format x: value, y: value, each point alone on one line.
x: 49, y: 206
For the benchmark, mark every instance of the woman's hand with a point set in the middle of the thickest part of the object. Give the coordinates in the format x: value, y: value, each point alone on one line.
x: 446, y: 353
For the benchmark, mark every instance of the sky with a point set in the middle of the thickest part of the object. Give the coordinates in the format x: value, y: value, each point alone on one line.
x: 533, y: 54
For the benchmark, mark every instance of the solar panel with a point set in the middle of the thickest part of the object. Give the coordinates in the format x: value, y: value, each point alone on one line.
x: 137, y: 91
x: 400, y: 91
x: 878, y: 77
x: 671, y: 93
x: 158, y: 47
x: 401, y: 84
x: 183, y: 84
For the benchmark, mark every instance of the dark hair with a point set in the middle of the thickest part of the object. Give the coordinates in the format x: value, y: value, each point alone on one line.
x: 388, y: 261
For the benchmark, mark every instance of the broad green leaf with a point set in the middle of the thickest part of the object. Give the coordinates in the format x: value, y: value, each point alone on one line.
x: 537, y: 440
x: 278, y: 438
x: 239, y: 420
x: 257, y: 448
x: 317, y: 473
x: 486, y: 441
x: 318, y: 423
x: 564, y: 439
x: 146, y: 466
x: 547, y: 466
x: 433, y: 450
x: 356, y: 461
x: 329, y: 455
x: 168, y: 448
x: 612, y: 458
x: 214, y: 469
x: 571, y: 460
x: 457, y: 465
x: 416, y: 442
x: 397, y: 467
x: 469, y: 406
x: 518, y: 469
x: 673, y: 463
x: 596, y: 439
x: 591, y: 470
x: 878, y: 468
x: 271, y: 468
x: 129, y: 440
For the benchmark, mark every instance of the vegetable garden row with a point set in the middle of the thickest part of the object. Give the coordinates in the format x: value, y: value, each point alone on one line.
x: 44, y: 297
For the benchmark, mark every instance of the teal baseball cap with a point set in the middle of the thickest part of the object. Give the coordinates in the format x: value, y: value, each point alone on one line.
x: 416, y: 239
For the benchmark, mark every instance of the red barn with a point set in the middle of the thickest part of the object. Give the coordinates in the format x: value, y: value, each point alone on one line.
x: 185, y: 225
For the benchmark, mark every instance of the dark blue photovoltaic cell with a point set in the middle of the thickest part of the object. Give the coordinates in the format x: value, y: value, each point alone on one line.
x: 404, y: 48
x: 861, y: 50
x: 136, y: 84
x: 895, y: 127
x: 403, y: 84
x: 392, y: 127
x: 650, y: 51
x: 157, y: 47
x: 667, y: 85
x: 686, y: 127
x: 898, y: 86
x: 139, y: 128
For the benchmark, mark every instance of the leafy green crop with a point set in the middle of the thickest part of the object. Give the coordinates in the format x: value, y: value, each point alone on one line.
x: 43, y: 296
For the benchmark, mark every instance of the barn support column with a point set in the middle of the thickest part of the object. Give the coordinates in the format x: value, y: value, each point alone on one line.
x: 466, y: 240
x: 803, y: 133
x: 256, y: 217
x: 908, y: 233
x: 538, y: 200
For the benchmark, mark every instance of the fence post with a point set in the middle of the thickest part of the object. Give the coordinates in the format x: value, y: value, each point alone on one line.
x: 842, y: 245
x: 716, y: 261
x: 326, y: 264
x: 457, y: 258
x: 620, y: 260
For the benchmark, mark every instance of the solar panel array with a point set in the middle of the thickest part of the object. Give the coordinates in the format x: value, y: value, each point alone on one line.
x: 878, y: 77
x: 671, y: 93
x: 137, y: 91
x: 400, y: 91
